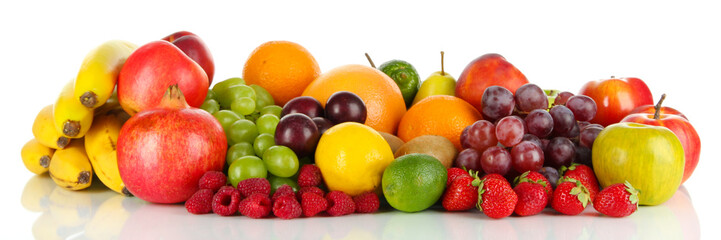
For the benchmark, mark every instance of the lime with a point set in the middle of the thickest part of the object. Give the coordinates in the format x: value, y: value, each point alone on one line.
x: 405, y: 76
x: 414, y: 182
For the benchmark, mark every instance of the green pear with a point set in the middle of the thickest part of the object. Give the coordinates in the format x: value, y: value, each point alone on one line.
x: 438, y: 83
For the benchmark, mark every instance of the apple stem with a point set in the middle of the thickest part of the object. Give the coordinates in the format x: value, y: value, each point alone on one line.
x: 657, y: 114
x: 370, y: 60
x: 443, y: 72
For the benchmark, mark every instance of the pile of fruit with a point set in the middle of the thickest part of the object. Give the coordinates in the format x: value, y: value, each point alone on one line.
x: 288, y: 140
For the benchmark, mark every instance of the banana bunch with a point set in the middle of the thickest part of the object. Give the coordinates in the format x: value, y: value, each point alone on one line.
x: 75, y: 137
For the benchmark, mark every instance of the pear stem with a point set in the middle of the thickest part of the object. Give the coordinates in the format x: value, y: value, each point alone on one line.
x: 370, y: 60
x: 443, y: 72
x: 657, y: 114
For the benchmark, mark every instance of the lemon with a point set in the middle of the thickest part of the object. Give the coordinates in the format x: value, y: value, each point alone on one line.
x: 351, y: 157
x: 414, y: 182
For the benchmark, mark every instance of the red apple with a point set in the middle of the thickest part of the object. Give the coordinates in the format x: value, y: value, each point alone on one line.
x: 616, y: 97
x: 651, y: 109
x: 163, y: 151
x: 678, y: 125
x: 485, y: 71
x: 154, y: 67
x: 196, y: 49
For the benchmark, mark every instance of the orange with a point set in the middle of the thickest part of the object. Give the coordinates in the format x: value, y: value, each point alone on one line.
x: 382, y: 97
x: 281, y: 67
x: 441, y: 115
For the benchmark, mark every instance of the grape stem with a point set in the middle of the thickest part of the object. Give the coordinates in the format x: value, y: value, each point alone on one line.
x: 657, y: 114
x: 370, y: 60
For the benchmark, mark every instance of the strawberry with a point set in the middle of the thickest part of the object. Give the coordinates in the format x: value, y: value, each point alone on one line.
x: 495, y: 176
x: 461, y: 195
x: 617, y: 200
x: 583, y: 174
x: 570, y: 197
x: 535, y: 177
x: 496, y: 198
x: 454, y: 173
x: 532, y: 198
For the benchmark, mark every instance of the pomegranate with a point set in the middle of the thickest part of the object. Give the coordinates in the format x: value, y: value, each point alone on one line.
x: 163, y: 151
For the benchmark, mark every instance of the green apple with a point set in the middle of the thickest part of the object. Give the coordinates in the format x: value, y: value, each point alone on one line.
x: 651, y: 158
x: 438, y: 83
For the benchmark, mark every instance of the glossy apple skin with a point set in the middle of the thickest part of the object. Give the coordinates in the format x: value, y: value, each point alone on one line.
x: 151, y: 69
x: 684, y: 131
x: 485, y: 71
x: 616, y: 97
x: 650, y: 157
x: 163, y: 152
x: 195, y: 48
x: 651, y: 109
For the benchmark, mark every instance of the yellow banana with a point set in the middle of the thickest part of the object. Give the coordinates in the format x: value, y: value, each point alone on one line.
x: 110, y: 104
x: 36, y: 156
x: 70, y: 167
x: 71, y: 118
x: 108, y: 219
x: 99, y: 72
x: 100, y: 142
x: 45, y: 132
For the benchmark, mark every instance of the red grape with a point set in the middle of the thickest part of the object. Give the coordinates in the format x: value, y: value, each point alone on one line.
x: 588, y: 135
x: 345, y: 106
x: 583, y: 107
x: 323, y: 124
x: 526, y: 156
x: 539, y: 123
x: 583, y: 156
x: 468, y: 158
x: 560, y: 152
x: 297, y: 132
x: 530, y: 97
x: 479, y: 135
x: 563, y: 119
x: 562, y: 98
x: 551, y: 175
x: 496, y: 160
x: 496, y: 102
x: 510, y: 130
x: 532, y: 138
x: 305, y: 105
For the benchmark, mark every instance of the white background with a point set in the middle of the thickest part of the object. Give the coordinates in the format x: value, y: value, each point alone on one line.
x: 673, y: 47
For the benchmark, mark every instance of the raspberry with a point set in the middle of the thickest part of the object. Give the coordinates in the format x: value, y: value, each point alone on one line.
x: 309, y: 175
x: 312, y: 204
x: 282, y: 191
x: 200, y: 202
x: 315, y: 190
x: 256, y: 205
x: 225, y: 201
x: 366, y: 203
x: 254, y: 185
x: 455, y: 173
x: 339, y: 203
x: 287, y: 207
x: 212, y: 180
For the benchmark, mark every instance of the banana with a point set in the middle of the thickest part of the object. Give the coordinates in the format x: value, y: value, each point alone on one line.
x: 45, y: 132
x: 110, y: 104
x: 70, y: 167
x: 36, y: 156
x: 100, y: 142
x: 71, y: 118
x: 99, y: 72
